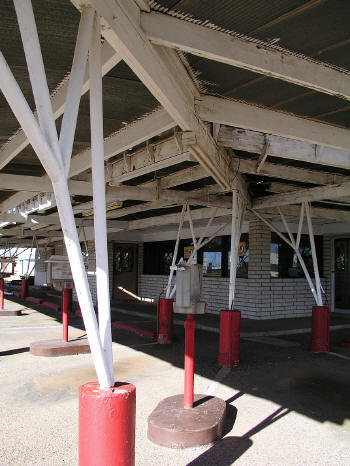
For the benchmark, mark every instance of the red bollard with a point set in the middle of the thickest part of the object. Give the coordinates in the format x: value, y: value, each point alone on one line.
x: 24, y: 288
x: 2, y: 294
x: 320, y: 329
x: 230, y: 329
x: 107, y: 425
x: 66, y: 307
x: 165, y: 321
x: 190, y: 326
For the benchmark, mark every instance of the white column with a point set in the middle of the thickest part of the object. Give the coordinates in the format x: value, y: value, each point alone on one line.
x: 71, y: 240
x: 43, y: 140
x: 314, y: 255
x: 182, y: 216
x: 69, y: 121
x: 99, y: 195
x: 235, y: 236
x: 31, y: 46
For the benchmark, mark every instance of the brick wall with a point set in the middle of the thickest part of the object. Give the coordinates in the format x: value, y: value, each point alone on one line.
x: 259, y: 296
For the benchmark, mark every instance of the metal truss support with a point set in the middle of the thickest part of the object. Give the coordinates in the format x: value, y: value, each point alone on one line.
x: 294, y: 243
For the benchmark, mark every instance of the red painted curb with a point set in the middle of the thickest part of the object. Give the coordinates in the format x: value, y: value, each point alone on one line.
x: 143, y: 332
x: 32, y: 299
x: 53, y: 306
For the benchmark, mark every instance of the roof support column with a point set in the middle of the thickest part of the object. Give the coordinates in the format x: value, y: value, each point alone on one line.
x: 99, y: 195
x: 43, y: 137
x: 238, y: 209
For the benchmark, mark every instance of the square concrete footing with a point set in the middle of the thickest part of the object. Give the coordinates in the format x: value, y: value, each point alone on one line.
x: 59, y: 347
x: 171, y: 425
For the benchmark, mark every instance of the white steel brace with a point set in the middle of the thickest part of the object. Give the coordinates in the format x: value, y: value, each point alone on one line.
x: 43, y: 137
x: 295, y: 245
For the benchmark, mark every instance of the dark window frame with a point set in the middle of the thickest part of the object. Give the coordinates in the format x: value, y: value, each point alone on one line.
x: 287, y: 266
x: 154, y: 251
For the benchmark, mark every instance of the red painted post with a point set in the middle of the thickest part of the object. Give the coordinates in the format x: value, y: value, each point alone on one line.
x: 165, y: 321
x: 107, y: 425
x: 230, y: 329
x: 190, y: 326
x: 320, y: 329
x: 66, y: 306
x: 1, y: 293
x: 24, y: 288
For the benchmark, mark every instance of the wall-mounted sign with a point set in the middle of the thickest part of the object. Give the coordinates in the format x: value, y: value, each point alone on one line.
x: 188, y: 251
x: 242, y: 248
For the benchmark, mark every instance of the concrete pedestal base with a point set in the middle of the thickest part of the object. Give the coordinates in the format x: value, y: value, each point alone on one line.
x: 59, y: 347
x: 171, y: 425
x: 10, y: 312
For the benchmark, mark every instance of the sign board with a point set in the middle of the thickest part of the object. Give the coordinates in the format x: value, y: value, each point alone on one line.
x: 242, y: 248
x: 188, y: 251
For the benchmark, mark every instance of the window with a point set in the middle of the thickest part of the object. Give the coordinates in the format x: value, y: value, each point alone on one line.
x: 123, y: 259
x: 158, y: 256
x: 212, y: 257
x: 215, y: 256
x: 284, y: 262
x: 242, y: 257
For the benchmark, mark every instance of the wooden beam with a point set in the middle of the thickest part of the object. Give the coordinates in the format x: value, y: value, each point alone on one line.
x: 287, y: 172
x: 164, y: 75
x: 197, y: 197
x: 251, y: 55
x: 128, y: 137
x: 169, y: 219
x: 297, y: 197
x: 164, y: 154
x: 58, y: 101
x: 242, y: 115
x: 316, y: 212
x: 42, y: 184
x: 254, y: 141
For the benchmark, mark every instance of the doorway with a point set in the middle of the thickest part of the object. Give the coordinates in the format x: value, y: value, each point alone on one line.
x: 124, y: 271
x: 342, y: 273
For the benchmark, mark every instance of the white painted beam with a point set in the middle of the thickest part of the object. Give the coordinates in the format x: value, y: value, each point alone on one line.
x: 247, y: 116
x: 128, y: 137
x: 164, y: 75
x: 41, y: 184
x: 153, y: 157
x: 317, y: 213
x: 251, y: 55
x: 169, y: 219
x: 277, y: 146
x: 285, y: 172
x: 198, y: 197
x: 58, y: 101
x: 297, y: 197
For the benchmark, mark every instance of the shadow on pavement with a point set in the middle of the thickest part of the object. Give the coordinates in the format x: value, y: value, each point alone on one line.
x: 227, y: 450
x: 315, y: 385
x: 14, y: 351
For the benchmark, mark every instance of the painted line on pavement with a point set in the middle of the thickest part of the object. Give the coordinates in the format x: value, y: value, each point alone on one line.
x: 338, y: 355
